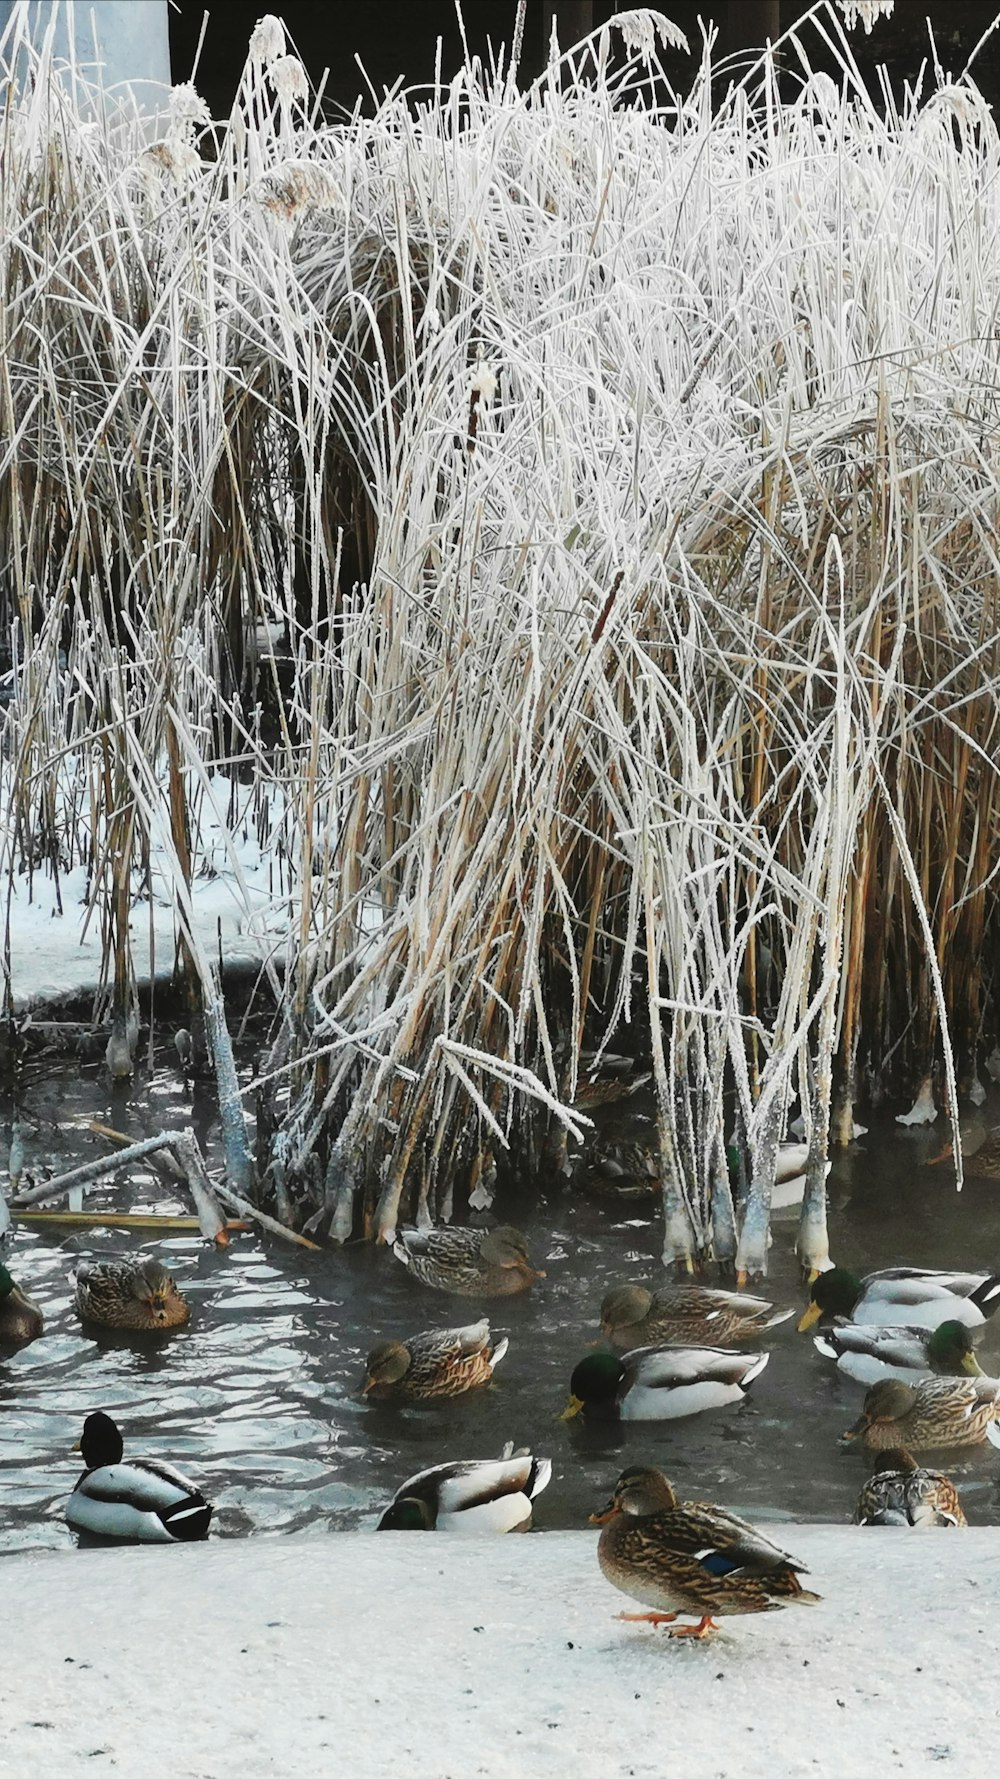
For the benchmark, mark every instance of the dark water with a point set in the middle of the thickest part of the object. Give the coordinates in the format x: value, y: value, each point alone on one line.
x: 257, y: 1398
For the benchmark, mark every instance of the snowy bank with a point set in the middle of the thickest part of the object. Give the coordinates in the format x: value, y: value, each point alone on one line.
x: 431, y: 1657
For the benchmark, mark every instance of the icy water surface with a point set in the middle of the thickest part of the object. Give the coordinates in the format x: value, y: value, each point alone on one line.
x: 258, y: 1397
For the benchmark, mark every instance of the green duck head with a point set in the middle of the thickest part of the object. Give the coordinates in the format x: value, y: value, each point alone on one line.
x: 949, y: 1349
x: 639, y: 1491
x: 101, y: 1442
x: 409, y: 1514
x: 833, y: 1293
x: 7, y: 1284
x: 594, y: 1384
x: 887, y: 1401
x: 624, y: 1306
x: 387, y: 1364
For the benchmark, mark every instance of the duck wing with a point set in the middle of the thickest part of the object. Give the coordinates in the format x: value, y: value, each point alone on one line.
x: 672, y: 1368
x: 901, y: 1345
x: 438, y: 1345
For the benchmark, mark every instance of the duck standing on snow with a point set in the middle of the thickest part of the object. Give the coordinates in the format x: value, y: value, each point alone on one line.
x: 903, y: 1294
x: 899, y: 1493
x: 20, y: 1317
x: 479, y: 1495
x: 468, y: 1262
x: 660, y: 1383
x: 438, y: 1362
x: 634, y: 1317
x: 690, y: 1557
x: 938, y: 1411
x: 868, y: 1353
x: 137, y: 1294
x: 143, y: 1501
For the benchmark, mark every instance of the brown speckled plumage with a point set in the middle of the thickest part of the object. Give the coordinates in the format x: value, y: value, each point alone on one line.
x: 900, y: 1493
x: 138, y: 1295
x: 938, y: 1411
x: 468, y: 1262
x: 691, y: 1557
x: 438, y: 1362
x: 688, y: 1315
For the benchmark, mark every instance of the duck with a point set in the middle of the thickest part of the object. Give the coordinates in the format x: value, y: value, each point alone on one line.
x: 127, y: 1293
x: 938, y: 1411
x: 620, y: 1168
x: 900, y: 1493
x: 631, y: 1316
x: 468, y: 1262
x: 437, y: 1362
x: 980, y: 1153
x: 690, y: 1557
x: 790, y: 1166
x: 144, y: 1500
x: 870, y: 1353
x: 903, y: 1294
x: 660, y: 1383
x: 474, y: 1495
x: 21, y: 1320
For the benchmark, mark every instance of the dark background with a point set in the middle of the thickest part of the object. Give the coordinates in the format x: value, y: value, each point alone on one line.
x: 396, y: 38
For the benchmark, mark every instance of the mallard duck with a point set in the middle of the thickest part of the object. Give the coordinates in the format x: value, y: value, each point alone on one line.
x: 126, y: 1293
x: 438, y: 1362
x: 869, y: 1353
x: 468, y: 1262
x: 661, y: 1383
x: 938, y: 1411
x: 980, y: 1154
x: 789, y: 1173
x: 480, y: 1495
x: 690, y: 1557
x: 631, y: 1316
x: 625, y: 1167
x: 903, y: 1294
x: 20, y: 1318
x: 143, y: 1500
x: 899, y: 1493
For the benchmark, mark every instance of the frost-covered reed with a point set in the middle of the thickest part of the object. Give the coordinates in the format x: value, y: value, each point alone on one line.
x: 619, y: 474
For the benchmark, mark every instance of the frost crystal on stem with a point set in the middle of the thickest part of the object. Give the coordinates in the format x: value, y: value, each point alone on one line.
x: 641, y: 28
x: 864, y: 12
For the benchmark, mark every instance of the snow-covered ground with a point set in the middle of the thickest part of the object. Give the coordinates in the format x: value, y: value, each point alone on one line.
x: 427, y: 1657
x: 242, y: 903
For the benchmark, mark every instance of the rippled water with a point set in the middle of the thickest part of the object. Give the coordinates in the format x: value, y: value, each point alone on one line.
x: 257, y: 1397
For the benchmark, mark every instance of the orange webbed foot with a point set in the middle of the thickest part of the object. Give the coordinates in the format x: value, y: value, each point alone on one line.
x: 701, y: 1629
x: 647, y: 1618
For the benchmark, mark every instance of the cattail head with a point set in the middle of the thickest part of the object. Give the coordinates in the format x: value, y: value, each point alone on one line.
x: 288, y: 78
x: 267, y: 40
x: 186, y: 110
x: 296, y: 185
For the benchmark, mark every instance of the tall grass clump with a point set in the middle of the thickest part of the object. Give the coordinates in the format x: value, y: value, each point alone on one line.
x: 617, y: 469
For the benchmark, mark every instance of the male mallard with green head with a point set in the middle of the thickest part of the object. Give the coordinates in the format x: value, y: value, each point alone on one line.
x: 690, y: 1557
x: 468, y: 1262
x: 141, y: 1500
x: 437, y: 1362
x: 903, y: 1294
x: 633, y: 1317
x: 137, y: 1294
x: 869, y: 1353
x: 900, y: 1493
x: 475, y: 1495
x: 938, y: 1411
x: 660, y: 1383
x: 20, y: 1317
